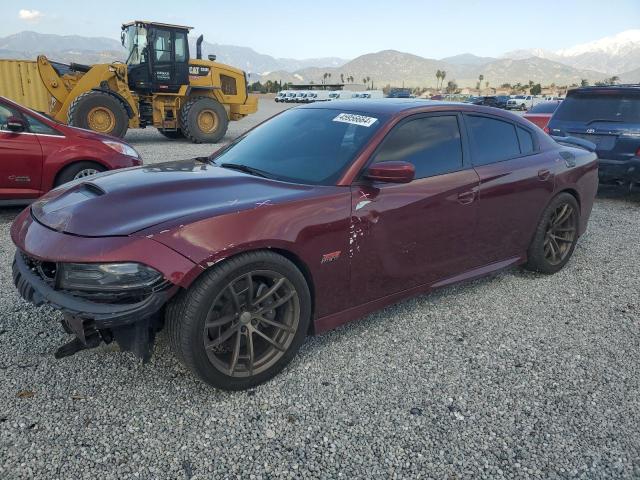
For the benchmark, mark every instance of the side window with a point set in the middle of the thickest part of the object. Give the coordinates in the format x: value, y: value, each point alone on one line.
x: 431, y: 144
x: 181, y: 47
x: 492, y: 140
x: 526, y: 141
x: 5, y: 113
x: 162, y: 46
x: 36, y: 126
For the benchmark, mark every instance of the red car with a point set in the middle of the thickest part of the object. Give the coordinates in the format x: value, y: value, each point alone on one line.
x: 541, y: 113
x: 319, y: 216
x: 38, y: 154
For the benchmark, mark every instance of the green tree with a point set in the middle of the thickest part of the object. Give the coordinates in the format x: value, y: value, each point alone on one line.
x: 452, y: 87
x: 535, y: 89
x: 584, y: 82
x: 438, y: 76
x: 480, y: 79
x: 342, y: 78
x: 443, y: 75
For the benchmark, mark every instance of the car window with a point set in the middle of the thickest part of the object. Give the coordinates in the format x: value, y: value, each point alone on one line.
x: 431, y: 144
x: 492, y: 140
x: 600, y: 106
x: 5, y: 113
x: 545, y: 107
x: 36, y: 126
x: 526, y: 141
x: 309, y: 146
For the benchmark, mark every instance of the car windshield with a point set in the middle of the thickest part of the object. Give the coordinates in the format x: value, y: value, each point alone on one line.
x: 308, y: 146
x: 546, y: 107
x: 519, y: 97
x: 600, y: 107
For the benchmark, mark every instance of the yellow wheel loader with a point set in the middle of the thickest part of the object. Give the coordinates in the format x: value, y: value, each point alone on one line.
x: 159, y: 85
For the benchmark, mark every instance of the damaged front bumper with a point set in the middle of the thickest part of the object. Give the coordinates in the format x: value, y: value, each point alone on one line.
x: 132, y: 325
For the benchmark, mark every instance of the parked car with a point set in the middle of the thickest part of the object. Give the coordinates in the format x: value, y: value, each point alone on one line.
x: 541, y: 113
x: 608, y: 116
x: 38, y: 153
x: 520, y: 102
x: 400, y: 93
x: 490, y: 101
x: 369, y: 94
x: 316, y: 217
x: 290, y: 97
x: 341, y: 95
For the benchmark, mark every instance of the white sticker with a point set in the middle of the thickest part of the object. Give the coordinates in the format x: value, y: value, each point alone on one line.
x: 355, y: 119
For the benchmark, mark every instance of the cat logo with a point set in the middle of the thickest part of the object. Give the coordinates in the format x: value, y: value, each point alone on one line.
x: 198, y: 71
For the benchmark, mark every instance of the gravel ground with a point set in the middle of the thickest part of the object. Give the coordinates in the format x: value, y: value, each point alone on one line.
x: 517, y: 375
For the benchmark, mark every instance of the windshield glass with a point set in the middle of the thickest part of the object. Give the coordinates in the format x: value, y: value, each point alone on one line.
x: 590, y: 107
x: 309, y: 146
x: 545, y: 107
x: 135, y: 41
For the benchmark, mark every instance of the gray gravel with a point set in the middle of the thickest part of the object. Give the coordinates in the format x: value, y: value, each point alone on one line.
x: 518, y: 375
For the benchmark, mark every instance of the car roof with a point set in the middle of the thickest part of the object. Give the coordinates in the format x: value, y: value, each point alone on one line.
x: 396, y: 106
x: 635, y: 88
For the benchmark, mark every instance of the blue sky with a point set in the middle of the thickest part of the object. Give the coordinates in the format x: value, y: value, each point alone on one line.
x: 288, y: 28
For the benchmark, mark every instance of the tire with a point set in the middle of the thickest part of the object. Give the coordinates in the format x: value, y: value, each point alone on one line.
x: 186, y: 316
x: 546, y: 241
x: 203, y: 120
x: 78, y: 170
x: 171, y: 134
x: 100, y: 112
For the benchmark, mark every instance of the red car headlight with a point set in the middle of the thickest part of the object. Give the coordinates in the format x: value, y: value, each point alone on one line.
x: 122, y: 148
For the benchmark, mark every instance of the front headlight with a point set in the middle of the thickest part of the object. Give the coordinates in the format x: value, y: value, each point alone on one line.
x: 106, y: 276
x: 121, y: 148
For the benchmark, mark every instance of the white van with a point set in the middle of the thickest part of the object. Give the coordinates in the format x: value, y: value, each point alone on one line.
x: 341, y: 95
x: 281, y: 96
x: 371, y: 94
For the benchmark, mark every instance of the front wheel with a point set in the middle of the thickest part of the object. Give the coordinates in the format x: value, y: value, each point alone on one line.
x: 203, y: 120
x: 78, y: 170
x: 556, y: 235
x: 242, y: 322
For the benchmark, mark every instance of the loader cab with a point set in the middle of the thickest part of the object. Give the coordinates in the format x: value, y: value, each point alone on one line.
x: 157, y: 56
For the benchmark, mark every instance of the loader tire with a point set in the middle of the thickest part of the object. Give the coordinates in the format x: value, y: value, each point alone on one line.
x: 203, y: 120
x: 172, y: 134
x: 100, y: 112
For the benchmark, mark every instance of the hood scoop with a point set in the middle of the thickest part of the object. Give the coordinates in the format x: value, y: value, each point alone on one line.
x: 58, y: 210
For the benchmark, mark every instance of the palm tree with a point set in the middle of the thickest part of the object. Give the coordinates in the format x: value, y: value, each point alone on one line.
x: 342, y: 78
x: 438, y: 76
x: 443, y: 75
x: 480, y: 78
x: 324, y: 77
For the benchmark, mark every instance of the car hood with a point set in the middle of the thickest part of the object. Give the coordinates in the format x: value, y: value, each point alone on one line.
x: 124, y: 202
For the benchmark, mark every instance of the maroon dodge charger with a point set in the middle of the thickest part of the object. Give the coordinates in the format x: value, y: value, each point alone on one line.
x: 316, y: 217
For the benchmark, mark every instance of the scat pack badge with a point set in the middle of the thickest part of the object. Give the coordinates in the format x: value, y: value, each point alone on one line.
x: 330, y: 257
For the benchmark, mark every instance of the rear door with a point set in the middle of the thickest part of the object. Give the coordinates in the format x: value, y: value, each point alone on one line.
x: 608, y: 118
x: 516, y: 183
x: 405, y: 235
x: 20, y: 160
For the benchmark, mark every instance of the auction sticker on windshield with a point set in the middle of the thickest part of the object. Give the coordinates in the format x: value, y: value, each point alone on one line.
x: 353, y: 119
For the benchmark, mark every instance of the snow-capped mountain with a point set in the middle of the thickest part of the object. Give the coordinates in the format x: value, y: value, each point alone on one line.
x: 615, y: 54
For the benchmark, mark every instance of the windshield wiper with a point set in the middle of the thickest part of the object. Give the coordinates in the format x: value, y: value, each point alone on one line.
x: 246, y: 169
x: 611, y: 120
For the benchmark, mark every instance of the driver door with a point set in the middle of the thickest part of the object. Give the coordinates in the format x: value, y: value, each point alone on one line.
x: 20, y: 160
x: 170, y: 60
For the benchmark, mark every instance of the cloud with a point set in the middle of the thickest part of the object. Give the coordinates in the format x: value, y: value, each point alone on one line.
x: 30, y: 15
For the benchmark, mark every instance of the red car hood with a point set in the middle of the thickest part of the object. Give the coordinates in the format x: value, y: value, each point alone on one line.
x: 122, y: 203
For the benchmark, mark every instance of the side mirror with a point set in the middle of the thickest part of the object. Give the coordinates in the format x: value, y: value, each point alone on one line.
x: 391, y: 172
x: 15, y: 124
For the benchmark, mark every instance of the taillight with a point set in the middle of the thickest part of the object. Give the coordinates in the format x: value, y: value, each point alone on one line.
x: 638, y: 152
x: 546, y: 129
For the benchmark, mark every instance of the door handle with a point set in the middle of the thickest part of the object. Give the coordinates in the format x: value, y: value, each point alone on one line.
x: 465, y: 198
x: 544, y: 174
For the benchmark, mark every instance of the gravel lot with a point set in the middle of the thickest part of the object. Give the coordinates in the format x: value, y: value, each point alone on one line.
x: 518, y: 375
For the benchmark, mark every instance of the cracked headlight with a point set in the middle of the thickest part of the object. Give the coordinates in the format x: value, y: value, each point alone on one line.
x: 106, y: 276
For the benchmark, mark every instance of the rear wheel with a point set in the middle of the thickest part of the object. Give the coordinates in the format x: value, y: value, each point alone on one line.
x: 100, y: 112
x: 172, y: 134
x: 556, y: 235
x: 78, y: 170
x: 203, y: 120
x: 242, y: 322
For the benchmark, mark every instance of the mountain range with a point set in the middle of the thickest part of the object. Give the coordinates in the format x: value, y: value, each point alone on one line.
x: 615, y: 55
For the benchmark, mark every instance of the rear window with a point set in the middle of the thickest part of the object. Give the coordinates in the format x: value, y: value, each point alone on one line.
x: 599, y: 106
x: 492, y: 140
x: 546, y: 107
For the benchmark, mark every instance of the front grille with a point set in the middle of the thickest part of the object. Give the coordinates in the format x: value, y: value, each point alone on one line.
x: 46, y: 271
